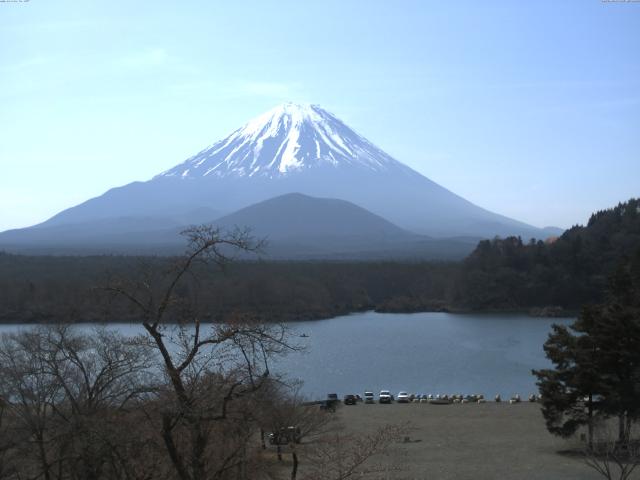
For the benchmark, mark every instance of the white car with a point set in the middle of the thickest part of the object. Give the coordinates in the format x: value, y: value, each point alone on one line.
x: 368, y: 397
x: 403, y: 397
x: 384, y: 397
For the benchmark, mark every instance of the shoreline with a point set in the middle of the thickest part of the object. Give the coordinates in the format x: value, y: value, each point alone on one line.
x: 537, y: 312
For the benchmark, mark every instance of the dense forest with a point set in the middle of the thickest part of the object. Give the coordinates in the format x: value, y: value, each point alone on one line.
x: 567, y: 272
x: 556, y: 276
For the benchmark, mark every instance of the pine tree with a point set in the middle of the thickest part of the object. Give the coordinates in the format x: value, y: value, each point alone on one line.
x: 596, y: 363
x: 569, y: 390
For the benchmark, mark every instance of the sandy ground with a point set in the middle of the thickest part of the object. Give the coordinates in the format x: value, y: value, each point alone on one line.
x: 467, y: 441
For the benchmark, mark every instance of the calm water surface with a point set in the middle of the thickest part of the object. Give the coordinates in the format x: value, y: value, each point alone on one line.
x: 420, y: 352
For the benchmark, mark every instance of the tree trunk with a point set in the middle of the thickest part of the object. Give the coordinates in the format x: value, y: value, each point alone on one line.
x: 621, y: 428
x: 294, y: 469
x: 174, y: 455
x: 43, y: 458
x: 590, y: 422
x: 243, y: 463
x: 198, y: 446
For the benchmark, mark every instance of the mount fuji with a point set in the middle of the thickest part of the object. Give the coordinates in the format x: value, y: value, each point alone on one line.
x: 289, y: 149
x: 289, y: 140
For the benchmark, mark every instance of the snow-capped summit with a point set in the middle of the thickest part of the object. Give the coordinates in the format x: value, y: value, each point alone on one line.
x: 289, y: 138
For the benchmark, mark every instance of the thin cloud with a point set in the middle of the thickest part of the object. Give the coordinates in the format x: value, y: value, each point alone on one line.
x: 268, y: 89
x: 53, y: 26
x: 276, y: 91
x: 148, y: 58
x: 28, y: 64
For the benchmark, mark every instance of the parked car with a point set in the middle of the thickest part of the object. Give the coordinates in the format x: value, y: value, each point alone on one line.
x: 368, y: 397
x: 350, y: 399
x: 385, y: 396
x: 403, y: 397
x: 285, y: 435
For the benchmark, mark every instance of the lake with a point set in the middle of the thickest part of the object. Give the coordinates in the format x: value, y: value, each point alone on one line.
x: 421, y: 352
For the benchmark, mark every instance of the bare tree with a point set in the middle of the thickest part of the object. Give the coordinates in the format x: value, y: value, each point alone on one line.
x: 7, y: 443
x: 309, y: 422
x: 611, y: 458
x: 291, y: 420
x: 339, y: 457
x: 101, y: 376
x: 28, y: 394
x: 66, y: 395
x: 213, y: 370
x: 316, y: 444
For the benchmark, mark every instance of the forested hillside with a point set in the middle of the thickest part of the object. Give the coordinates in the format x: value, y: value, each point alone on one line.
x: 43, y: 289
x: 568, y: 272
x: 501, y: 274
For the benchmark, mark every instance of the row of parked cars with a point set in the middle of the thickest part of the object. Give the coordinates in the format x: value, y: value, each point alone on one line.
x: 385, y: 396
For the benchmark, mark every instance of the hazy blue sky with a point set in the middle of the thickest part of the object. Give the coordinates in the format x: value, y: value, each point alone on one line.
x: 528, y: 108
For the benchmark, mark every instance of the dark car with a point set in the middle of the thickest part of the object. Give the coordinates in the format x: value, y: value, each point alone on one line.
x: 284, y: 436
x: 331, y: 402
x: 350, y: 399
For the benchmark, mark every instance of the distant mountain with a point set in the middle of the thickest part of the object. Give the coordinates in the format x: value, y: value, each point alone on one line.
x: 297, y: 216
x: 549, y: 232
x: 292, y: 148
x: 126, y: 234
x: 295, y: 226
x: 300, y: 226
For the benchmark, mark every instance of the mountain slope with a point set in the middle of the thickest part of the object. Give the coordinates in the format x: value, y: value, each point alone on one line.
x: 295, y: 226
x: 293, y: 148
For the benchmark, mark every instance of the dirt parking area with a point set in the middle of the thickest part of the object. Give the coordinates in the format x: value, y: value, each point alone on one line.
x: 469, y: 441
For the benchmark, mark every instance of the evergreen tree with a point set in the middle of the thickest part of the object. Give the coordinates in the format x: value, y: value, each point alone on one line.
x: 569, y: 390
x: 617, y: 326
x: 596, y: 362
